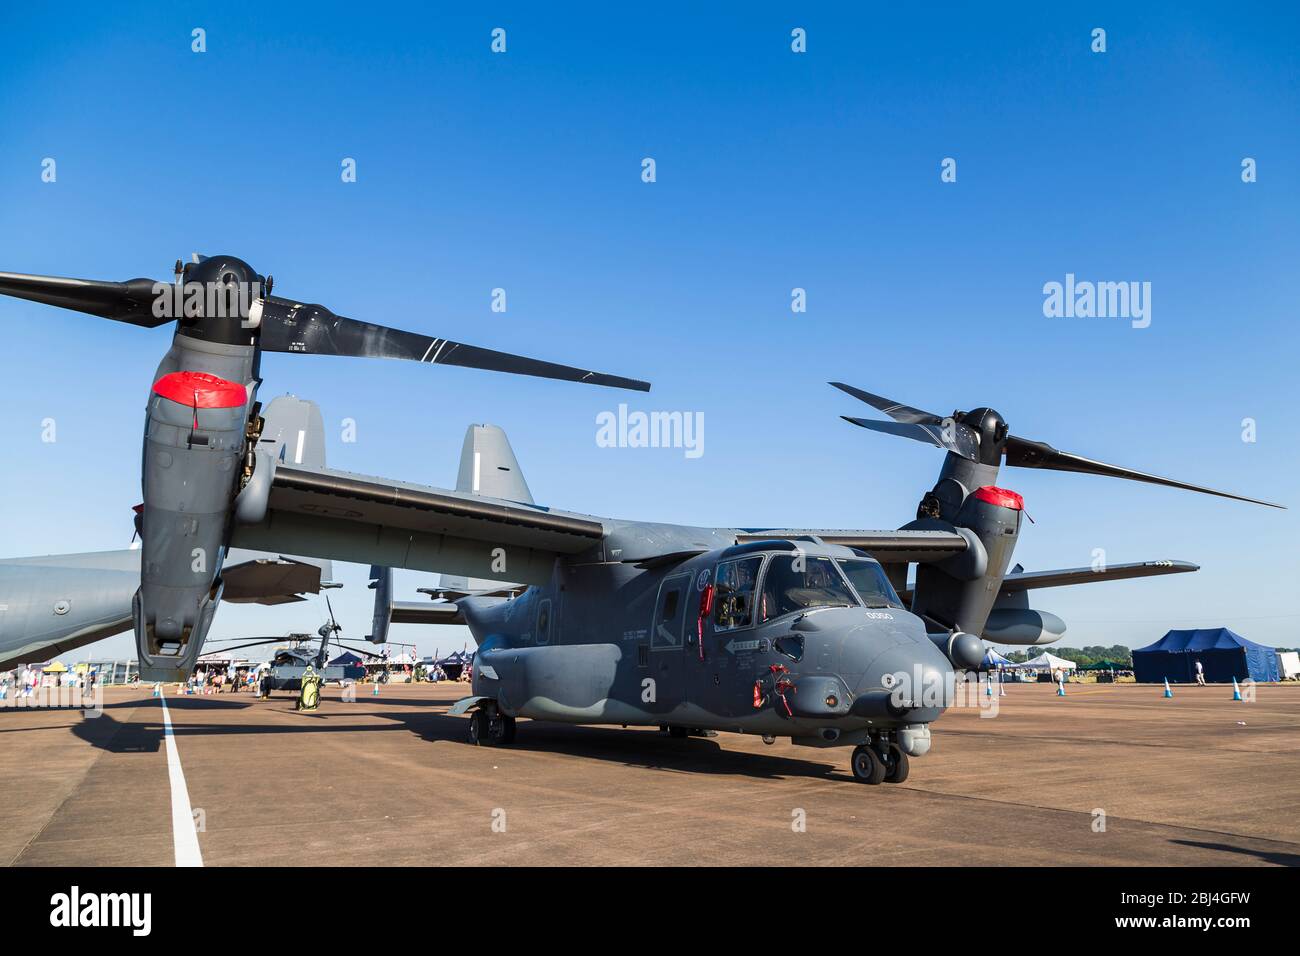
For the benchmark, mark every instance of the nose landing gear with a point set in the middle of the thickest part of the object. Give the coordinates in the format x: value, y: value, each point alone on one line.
x: 867, y: 765
x: 897, y: 765
x: 880, y: 761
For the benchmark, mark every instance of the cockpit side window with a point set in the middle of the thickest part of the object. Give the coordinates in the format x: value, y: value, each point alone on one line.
x: 733, y: 602
x: 870, y: 581
x: 796, y: 582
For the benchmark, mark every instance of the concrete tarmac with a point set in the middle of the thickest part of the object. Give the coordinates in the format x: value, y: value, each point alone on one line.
x: 1108, y: 775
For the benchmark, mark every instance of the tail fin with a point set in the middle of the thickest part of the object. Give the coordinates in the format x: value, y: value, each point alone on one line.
x: 294, y: 432
x: 488, y: 467
x: 381, y: 582
x: 294, y: 426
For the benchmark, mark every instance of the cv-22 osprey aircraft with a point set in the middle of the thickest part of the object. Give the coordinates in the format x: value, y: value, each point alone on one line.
x: 816, y: 635
x: 797, y: 633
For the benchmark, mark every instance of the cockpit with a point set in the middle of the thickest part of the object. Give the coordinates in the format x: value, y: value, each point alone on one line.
x: 756, y: 588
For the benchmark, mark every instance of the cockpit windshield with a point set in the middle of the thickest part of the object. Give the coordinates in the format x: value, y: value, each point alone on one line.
x: 871, y: 583
x: 796, y: 582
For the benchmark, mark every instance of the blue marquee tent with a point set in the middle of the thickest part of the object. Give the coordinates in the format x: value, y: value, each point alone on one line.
x: 992, y: 659
x: 1223, y: 654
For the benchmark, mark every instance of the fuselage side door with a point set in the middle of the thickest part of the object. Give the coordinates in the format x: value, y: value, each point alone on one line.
x: 721, y: 679
x: 667, y: 640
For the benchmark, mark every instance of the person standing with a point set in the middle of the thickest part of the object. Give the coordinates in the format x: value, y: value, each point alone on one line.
x: 1200, y: 673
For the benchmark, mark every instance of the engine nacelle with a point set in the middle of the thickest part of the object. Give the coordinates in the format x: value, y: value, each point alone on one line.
x: 961, y: 593
x: 193, y: 456
x: 1023, y: 626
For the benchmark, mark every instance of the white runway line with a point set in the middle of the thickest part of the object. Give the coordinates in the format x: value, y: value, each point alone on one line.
x: 184, y: 837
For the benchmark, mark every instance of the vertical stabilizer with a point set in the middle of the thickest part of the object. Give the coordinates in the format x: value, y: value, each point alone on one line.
x: 294, y: 431
x: 381, y: 582
x: 488, y: 467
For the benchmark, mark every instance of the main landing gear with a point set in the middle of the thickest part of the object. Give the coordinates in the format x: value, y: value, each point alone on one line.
x: 879, y: 762
x: 491, y: 728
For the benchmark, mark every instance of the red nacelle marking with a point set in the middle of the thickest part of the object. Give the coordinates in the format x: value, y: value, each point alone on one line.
x: 1001, y: 497
x: 200, y: 390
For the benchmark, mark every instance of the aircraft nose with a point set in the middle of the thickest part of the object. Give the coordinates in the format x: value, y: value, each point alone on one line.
x: 911, y: 682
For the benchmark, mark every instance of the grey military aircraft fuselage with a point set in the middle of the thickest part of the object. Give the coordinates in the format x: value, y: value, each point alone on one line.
x: 790, y: 638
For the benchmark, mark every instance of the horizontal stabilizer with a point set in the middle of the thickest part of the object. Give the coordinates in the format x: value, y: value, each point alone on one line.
x: 270, y: 581
x: 456, y: 594
x: 419, y: 612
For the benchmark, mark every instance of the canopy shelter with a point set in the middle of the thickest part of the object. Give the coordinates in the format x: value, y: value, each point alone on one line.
x: 56, y: 667
x: 1223, y: 656
x: 220, y: 656
x: 993, y: 659
x: 347, y: 658
x: 453, y: 665
x: 1107, y: 666
x: 1049, y: 662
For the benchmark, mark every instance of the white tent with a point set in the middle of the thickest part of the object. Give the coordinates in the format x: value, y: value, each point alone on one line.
x: 1049, y: 662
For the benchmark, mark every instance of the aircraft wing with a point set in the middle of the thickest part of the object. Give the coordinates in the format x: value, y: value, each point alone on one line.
x: 1019, y: 581
x: 1027, y: 580
x: 334, y: 514
x: 887, y: 547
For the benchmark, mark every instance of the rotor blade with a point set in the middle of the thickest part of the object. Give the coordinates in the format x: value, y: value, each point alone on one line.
x: 1022, y: 453
x: 289, y: 326
x: 130, y: 301
x: 899, y: 413
x: 257, y: 643
x: 357, y: 650
x: 961, y: 440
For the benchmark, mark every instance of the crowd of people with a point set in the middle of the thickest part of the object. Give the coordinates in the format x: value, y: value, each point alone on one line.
x: 24, y: 682
x: 213, y: 679
x: 435, y: 674
x: 216, y: 680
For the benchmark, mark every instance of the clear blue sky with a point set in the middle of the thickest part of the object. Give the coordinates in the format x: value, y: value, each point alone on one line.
x: 775, y: 170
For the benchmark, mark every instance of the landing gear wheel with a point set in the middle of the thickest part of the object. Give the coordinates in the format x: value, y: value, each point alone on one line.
x: 867, y: 765
x: 896, y: 765
x: 507, y: 735
x: 479, y: 732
